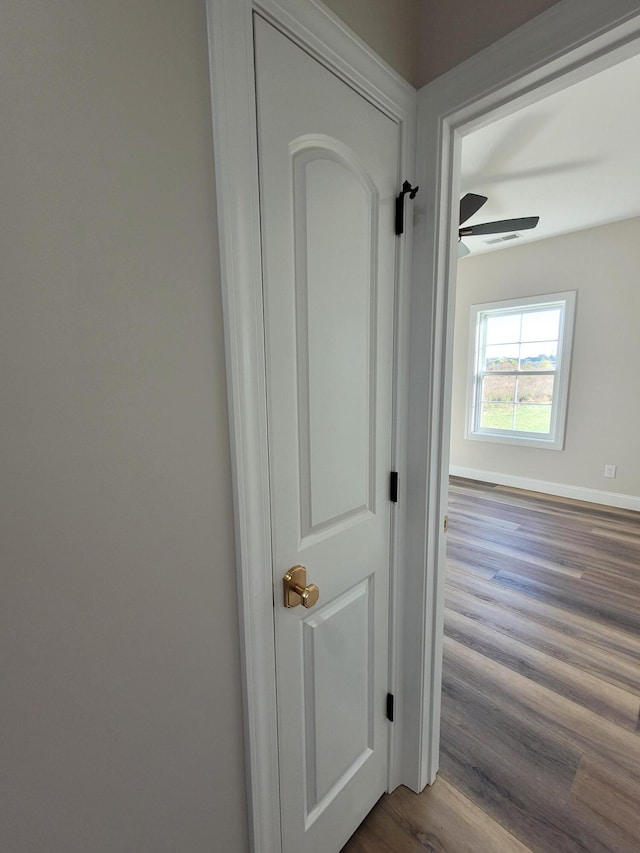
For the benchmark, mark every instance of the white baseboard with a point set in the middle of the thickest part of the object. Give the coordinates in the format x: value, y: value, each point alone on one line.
x: 578, y: 493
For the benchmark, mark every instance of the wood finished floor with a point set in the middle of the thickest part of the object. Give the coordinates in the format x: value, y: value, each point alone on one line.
x: 540, y: 747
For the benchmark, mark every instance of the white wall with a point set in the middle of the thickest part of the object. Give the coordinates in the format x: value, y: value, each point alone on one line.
x: 604, y: 403
x: 120, y: 714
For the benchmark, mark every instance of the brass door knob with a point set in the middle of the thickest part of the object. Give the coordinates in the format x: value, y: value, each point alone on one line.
x: 297, y: 590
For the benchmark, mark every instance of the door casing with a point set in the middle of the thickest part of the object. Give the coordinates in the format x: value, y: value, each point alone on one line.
x: 319, y: 32
x: 567, y: 42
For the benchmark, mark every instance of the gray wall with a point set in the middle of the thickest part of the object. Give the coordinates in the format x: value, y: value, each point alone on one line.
x: 601, y: 264
x: 120, y: 706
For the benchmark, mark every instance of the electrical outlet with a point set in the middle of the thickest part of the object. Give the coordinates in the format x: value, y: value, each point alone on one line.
x: 610, y: 471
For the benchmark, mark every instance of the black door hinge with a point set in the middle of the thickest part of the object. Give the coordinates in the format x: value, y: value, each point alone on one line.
x: 390, y: 703
x: 393, y: 487
x: 407, y: 189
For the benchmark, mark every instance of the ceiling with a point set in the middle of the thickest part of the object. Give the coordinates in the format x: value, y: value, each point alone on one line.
x: 573, y: 159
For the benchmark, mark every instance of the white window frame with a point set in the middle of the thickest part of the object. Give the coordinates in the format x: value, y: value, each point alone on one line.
x: 554, y: 439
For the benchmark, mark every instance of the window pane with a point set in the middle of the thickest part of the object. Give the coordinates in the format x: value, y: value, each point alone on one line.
x: 501, y: 357
x: 499, y: 389
x: 496, y: 416
x: 539, y: 356
x: 535, y: 389
x: 541, y: 325
x: 533, y: 417
x: 503, y: 329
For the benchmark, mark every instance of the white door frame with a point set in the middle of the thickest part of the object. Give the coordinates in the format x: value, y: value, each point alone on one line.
x: 321, y: 34
x: 569, y: 42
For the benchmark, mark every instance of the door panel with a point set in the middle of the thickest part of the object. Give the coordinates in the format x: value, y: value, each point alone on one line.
x: 328, y: 175
x: 334, y: 243
x: 338, y: 699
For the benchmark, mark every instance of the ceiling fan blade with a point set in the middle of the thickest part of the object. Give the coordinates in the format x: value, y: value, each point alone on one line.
x: 470, y: 204
x: 500, y: 227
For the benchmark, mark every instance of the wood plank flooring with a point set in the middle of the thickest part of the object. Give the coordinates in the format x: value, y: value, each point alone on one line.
x: 540, y: 747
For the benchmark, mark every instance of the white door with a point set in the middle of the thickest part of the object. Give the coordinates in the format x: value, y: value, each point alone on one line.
x: 328, y: 177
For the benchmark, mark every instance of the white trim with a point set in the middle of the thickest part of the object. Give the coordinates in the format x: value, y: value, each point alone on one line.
x: 563, y: 490
x: 235, y: 147
x: 230, y: 33
x: 312, y: 25
x: 568, y: 42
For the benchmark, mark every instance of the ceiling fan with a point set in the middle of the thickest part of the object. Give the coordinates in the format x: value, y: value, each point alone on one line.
x: 470, y: 204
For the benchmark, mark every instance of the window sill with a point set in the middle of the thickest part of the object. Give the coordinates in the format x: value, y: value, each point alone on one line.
x: 527, y: 440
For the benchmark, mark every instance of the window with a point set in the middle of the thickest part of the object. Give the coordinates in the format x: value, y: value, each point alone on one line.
x: 520, y: 355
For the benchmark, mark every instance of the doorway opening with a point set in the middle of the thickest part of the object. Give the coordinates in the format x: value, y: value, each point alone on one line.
x: 539, y: 711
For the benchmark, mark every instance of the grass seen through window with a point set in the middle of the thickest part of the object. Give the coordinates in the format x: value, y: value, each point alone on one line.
x: 526, y: 417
